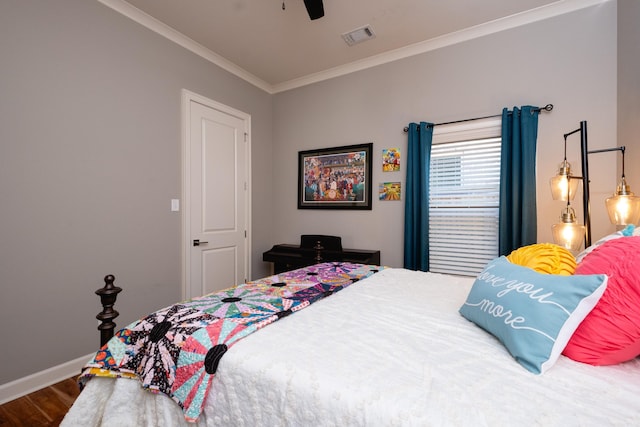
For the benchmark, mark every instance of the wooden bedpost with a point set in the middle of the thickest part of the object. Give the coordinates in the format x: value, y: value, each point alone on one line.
x: 108, y: 295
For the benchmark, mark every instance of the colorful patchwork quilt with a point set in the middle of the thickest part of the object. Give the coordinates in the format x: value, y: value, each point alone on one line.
x: 176, y: 350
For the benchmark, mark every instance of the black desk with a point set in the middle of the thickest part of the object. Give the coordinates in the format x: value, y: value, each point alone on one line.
x: 287, y: 257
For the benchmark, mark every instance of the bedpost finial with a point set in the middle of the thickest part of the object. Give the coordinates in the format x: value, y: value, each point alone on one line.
x: 108, y: 294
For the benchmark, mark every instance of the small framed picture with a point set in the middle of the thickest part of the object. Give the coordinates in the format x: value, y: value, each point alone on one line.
x: 390, y: 191
x: 390, y: 160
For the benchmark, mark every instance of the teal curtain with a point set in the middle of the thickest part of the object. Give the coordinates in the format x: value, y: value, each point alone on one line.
x: 416, y: 214
x: 517, y: 217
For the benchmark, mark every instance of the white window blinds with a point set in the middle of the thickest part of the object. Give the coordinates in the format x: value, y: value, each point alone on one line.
x: 464, y: 197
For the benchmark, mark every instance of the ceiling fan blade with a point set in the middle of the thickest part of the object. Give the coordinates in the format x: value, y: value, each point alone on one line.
x: 315, y: 9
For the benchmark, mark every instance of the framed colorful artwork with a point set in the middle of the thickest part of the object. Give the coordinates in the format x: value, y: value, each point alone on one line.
x: 335, y: 178
x: 390, y: 191
x: 390, y: 160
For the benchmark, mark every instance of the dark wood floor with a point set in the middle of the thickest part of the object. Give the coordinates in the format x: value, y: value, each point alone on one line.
x: 46, y: 407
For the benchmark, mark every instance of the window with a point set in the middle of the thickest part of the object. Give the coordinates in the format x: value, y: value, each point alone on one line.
x: 464, y: 196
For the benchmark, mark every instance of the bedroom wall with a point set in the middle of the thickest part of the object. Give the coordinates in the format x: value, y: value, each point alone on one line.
x: 629, y: 88
x: 89, y: 160
x: 90, y: 150
x: 569, y: 61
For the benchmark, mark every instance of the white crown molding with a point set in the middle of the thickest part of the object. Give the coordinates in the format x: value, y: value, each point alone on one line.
x: 180, y: 39
x: 560, y: 7
x: 538, y: 14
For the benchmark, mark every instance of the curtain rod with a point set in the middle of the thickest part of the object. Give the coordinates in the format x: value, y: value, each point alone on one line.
x: 547, y: 107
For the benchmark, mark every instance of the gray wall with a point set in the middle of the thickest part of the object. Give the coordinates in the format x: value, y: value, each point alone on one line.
x: 569, y: 61
x: 629, y: 88
x: 90, y: 152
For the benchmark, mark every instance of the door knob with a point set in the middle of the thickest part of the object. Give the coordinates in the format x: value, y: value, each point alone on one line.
x: 197, y: 242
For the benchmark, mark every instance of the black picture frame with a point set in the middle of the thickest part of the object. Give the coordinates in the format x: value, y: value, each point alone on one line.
x: 336, y: 178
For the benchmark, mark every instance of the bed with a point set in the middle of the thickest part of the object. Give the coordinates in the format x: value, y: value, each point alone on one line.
x: 389, y: 349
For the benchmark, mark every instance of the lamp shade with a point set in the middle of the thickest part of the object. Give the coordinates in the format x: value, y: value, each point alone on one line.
x: 562, y: 185
x: 568, y: 233
x: 623, y: 207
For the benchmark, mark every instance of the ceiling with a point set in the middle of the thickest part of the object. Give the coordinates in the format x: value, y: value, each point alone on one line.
x: 278, y: 48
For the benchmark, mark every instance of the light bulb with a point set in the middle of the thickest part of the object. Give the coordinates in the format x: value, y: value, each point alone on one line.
x: 562, y: 185
x: 568, y: 233
x: 623, y: 209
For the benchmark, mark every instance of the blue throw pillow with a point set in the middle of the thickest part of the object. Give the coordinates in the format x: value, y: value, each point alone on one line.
x: 532, y: 314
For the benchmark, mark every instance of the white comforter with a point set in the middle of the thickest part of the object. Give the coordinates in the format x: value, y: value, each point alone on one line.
x: 389, y: 351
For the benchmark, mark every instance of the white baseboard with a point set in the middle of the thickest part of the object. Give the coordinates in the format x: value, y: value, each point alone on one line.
x: 42, y: 379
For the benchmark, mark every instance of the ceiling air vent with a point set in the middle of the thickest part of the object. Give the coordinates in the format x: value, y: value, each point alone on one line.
x: 358, y: 35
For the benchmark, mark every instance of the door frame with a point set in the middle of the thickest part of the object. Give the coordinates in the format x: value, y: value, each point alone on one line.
x: 187, y: 98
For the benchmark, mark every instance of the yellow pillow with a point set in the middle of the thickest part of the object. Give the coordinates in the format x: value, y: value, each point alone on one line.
x: 545, y: 258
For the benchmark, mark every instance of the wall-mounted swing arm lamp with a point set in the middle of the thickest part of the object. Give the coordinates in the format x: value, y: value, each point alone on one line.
x: 623, y: 206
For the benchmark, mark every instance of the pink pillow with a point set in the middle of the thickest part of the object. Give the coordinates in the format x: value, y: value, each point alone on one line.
x: 610, y: 333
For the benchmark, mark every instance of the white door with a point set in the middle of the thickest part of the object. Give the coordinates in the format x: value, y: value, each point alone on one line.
x: 216, y: 196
